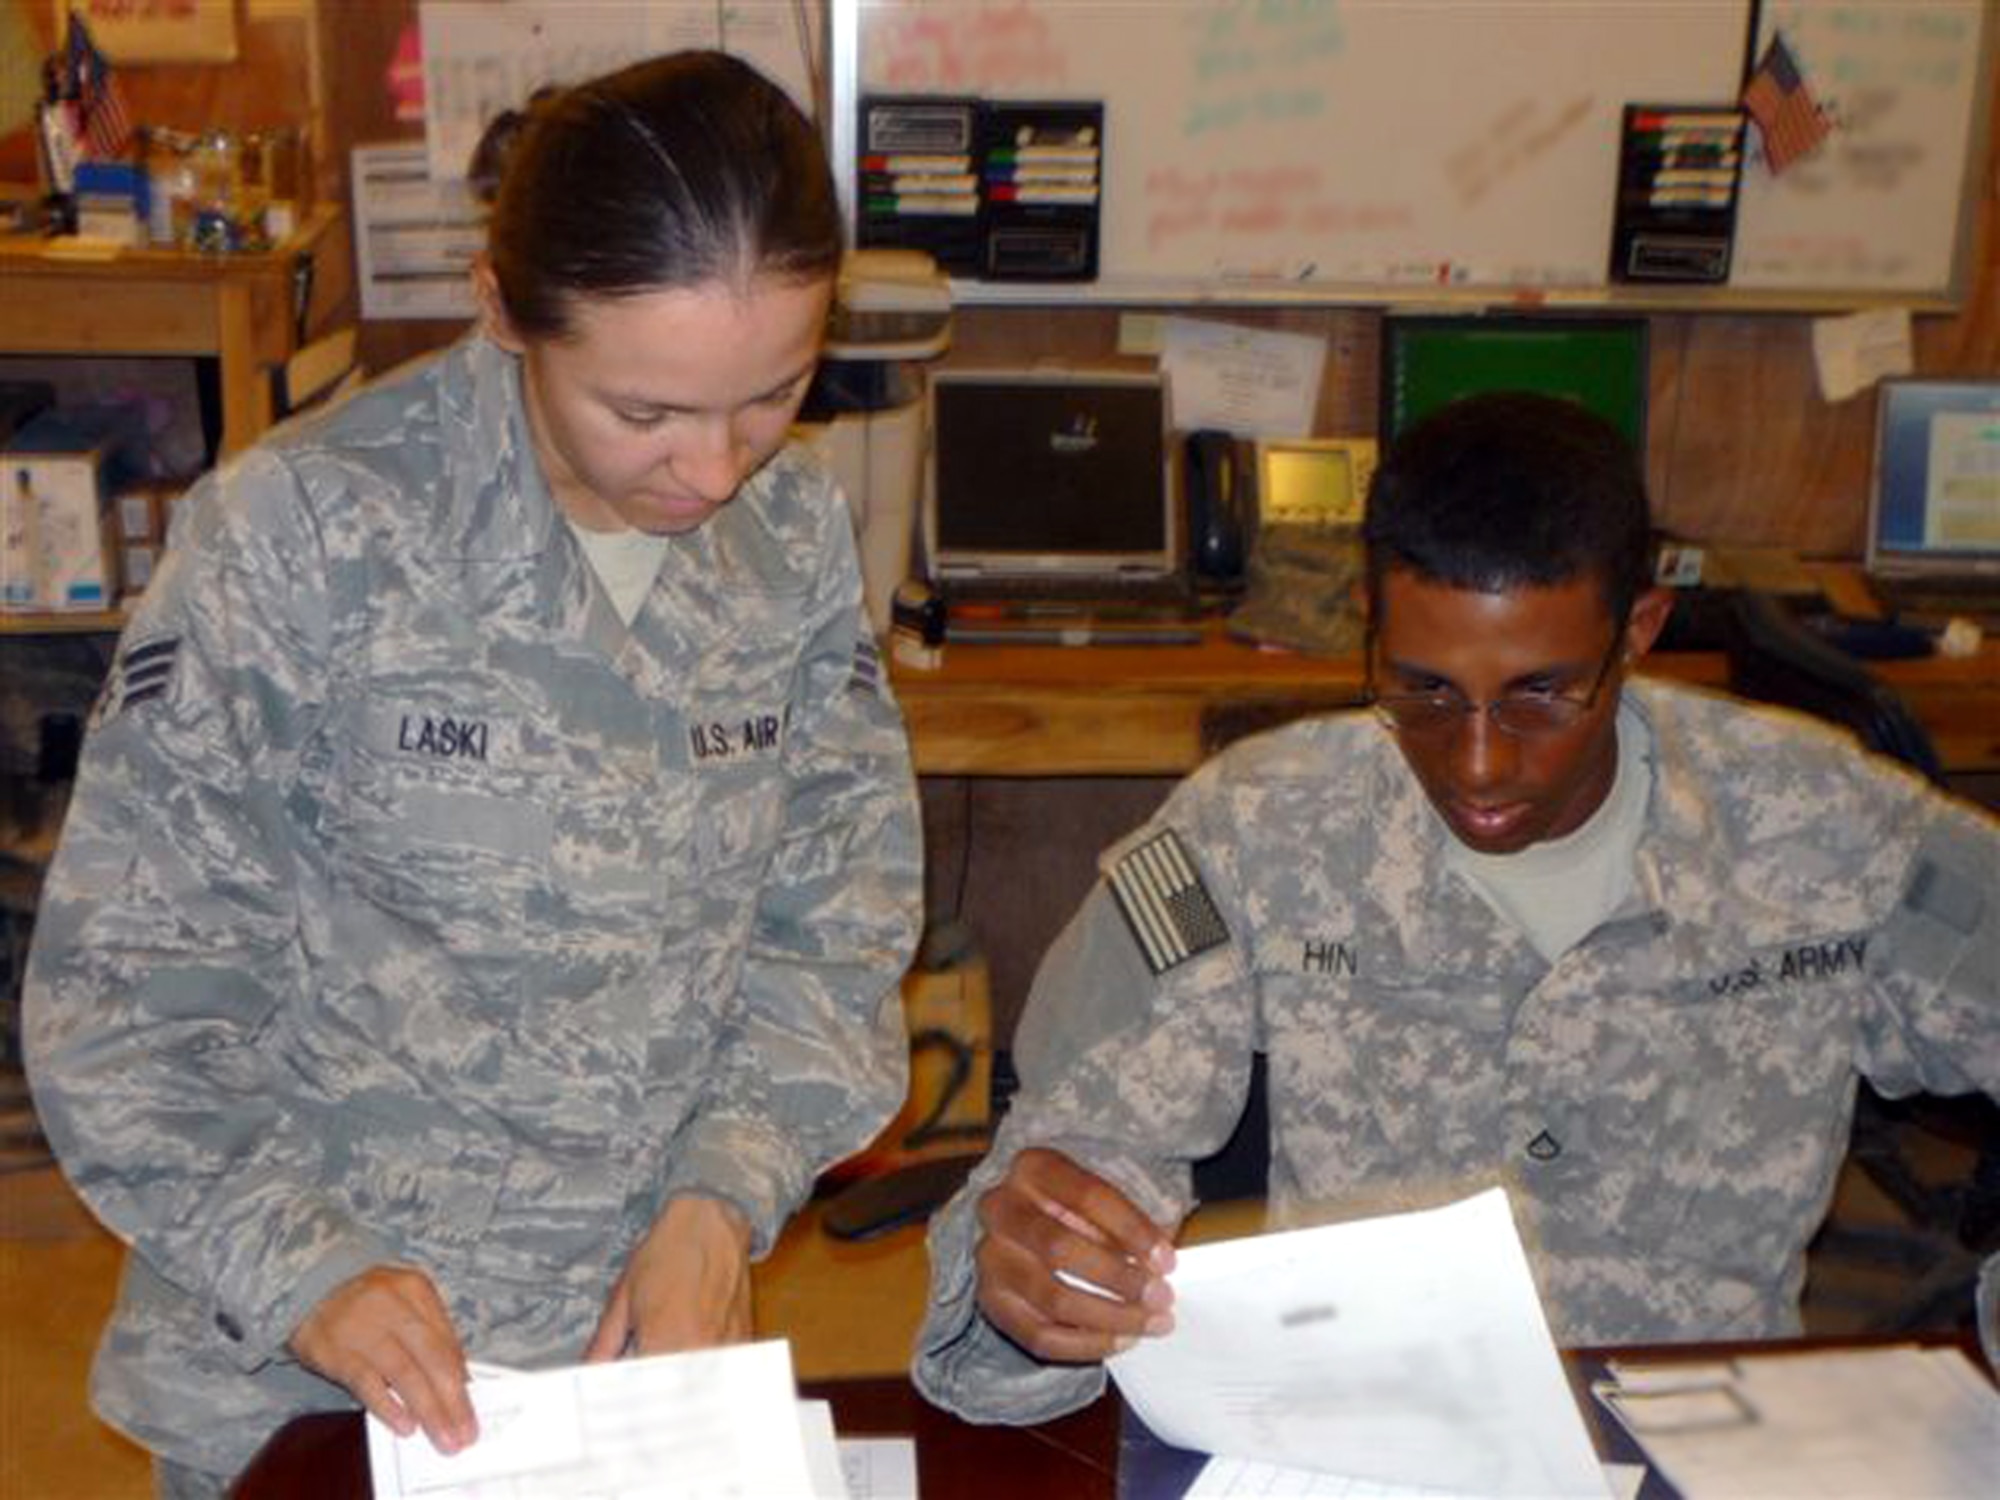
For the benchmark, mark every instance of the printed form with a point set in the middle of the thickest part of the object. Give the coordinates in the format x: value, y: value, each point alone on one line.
x: 703, y: 1425
x: 1408, y: 1351
x: 1837, y: 1424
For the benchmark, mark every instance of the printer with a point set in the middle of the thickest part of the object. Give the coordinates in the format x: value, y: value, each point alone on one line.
x: 864, y: 413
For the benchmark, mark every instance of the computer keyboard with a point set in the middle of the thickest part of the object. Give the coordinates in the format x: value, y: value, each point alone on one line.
x: 1162, y: 593
x: 1927, y: 603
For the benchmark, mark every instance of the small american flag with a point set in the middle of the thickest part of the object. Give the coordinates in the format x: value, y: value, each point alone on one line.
x: 107, y: 123
x: 1165, y: 904
x: 1788, y: 117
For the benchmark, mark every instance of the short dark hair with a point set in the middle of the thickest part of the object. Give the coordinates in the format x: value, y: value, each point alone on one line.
x: 1506, y: 490
x: 673, y: 172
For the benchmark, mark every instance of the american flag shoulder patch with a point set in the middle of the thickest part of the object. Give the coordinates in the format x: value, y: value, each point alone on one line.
x: 1164, y: 903
x: 144, y: 671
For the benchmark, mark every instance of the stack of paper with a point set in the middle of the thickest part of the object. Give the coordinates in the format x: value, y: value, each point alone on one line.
x: 1401, y: 1355
x: 1862, y: 1423
x: 711, y: 1423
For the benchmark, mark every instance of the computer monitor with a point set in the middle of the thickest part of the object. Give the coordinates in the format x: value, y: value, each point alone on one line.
x: 1430, y: 361
x: 1314, y: 481
x: 1935, y: 507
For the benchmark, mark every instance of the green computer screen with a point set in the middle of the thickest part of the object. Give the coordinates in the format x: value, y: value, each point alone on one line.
x: 1428, y: 362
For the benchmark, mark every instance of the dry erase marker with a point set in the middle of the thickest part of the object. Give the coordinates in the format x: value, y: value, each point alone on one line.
x: 1073, y: 635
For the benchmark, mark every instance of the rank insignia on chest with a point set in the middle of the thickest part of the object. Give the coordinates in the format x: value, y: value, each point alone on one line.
x: 1164, y: 903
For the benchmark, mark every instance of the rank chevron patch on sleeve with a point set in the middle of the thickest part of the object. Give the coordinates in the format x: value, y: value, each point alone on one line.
x: 144, y: 672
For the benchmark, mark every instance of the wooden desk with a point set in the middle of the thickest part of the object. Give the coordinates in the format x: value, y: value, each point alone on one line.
x: 241, y: 309
x: 1957, y: 702
x: 324, y: 1457
x: 1160, y: 710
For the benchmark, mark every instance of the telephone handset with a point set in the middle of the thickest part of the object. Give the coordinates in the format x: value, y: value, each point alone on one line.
x: 1218, y: 508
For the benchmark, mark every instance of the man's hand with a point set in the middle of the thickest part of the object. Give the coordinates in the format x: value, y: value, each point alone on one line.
x: 386, y: 1336
x: 1049, y: 1219
x: 687, y: 1286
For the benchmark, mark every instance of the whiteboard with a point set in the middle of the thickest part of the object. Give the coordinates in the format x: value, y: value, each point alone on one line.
x: 1878, y: 205
x: 1413, y: 145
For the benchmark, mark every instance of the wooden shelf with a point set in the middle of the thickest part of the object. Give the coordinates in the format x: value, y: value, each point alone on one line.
x: 64, y: 622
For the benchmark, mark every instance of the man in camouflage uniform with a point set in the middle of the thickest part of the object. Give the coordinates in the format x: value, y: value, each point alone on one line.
x: 415, y: 910
x: 1623, y: 946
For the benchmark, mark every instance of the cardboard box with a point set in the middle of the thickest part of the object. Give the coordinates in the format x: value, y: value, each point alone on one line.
x: 20, y: 542
x: 56, y: 542
x: 141, y: 511
x: 136, y: 523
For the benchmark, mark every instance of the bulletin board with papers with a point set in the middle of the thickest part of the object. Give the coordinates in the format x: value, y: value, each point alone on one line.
x: 485, y: 56
x: 417, y: 227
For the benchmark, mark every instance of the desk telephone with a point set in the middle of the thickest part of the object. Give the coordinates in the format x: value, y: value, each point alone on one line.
x: 1219, y: 507
x: 1284, y: 482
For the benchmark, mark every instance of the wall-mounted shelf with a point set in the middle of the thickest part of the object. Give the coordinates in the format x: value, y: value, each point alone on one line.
x: 64, y: 622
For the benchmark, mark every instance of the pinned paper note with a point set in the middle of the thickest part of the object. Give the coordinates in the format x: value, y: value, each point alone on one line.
x: 1247, y: 381
x: 1854, y: 351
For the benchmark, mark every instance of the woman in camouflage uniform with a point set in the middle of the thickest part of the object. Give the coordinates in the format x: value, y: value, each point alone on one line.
x: 496, y: 848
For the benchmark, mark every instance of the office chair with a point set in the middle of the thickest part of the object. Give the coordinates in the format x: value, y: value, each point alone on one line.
x: 1774, y: 658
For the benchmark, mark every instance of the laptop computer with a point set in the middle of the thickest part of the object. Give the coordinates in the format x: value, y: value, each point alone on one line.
x: 1053, y: 485
x: 1934, y: 506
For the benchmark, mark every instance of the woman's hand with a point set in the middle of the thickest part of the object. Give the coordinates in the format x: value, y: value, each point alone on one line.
x: 687, y: 1286
x: 386, y: 1336
x: 1049, y: 1225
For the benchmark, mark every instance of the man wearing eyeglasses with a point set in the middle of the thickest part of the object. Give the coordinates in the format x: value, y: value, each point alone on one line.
x: 1623, y: 946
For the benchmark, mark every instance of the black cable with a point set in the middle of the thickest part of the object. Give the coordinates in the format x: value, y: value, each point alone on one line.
x: 964, y: 849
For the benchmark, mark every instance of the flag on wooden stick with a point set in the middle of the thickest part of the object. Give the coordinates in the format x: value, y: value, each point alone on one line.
x: 107, y: 123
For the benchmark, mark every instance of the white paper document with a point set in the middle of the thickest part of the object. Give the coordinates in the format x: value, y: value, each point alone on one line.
x: 1409, y: 1350
x: 879, y: 1468
x: 822, y: 1451
x: 1242, y: 1478
x: 1248, y: 381
x: 710, y: 1423
x: 1860, y: 1423
x: 1854, y: 351
x: 855, y: 1468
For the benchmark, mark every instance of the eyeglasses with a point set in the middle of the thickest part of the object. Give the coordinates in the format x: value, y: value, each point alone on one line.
x: 1521, y: 715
